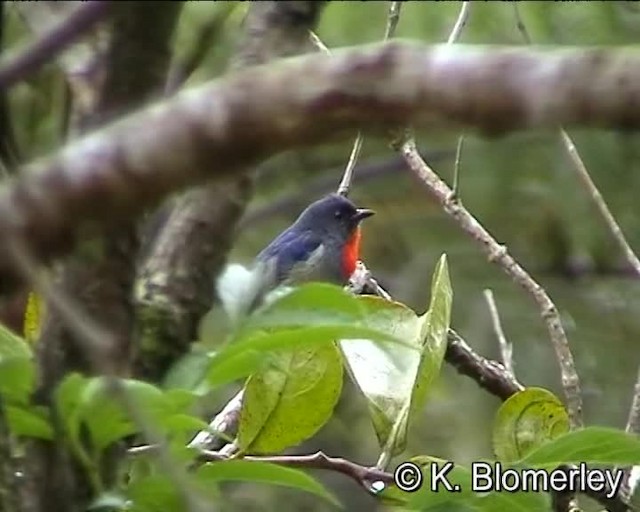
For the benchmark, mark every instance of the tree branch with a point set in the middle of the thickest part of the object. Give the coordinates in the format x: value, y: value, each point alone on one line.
x: 102, y: 271
x: 176, y: 283
x: 23, y: 64
x: 498, y: 254
x: 506, y: 348
x: 362, y: 475
x: 214, y: 130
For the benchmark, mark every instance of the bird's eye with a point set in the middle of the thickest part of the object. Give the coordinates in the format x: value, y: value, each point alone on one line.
x: 338, y: 214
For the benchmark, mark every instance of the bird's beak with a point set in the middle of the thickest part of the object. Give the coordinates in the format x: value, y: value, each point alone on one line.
x: 362, y: 213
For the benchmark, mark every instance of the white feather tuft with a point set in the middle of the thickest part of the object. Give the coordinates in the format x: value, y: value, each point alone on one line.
x: 237, y: 288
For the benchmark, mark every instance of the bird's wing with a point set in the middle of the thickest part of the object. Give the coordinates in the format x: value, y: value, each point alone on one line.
x: 295, y: 254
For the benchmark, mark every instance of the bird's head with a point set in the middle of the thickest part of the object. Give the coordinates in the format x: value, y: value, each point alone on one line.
x: 338, y: 219
x: 333, y: 214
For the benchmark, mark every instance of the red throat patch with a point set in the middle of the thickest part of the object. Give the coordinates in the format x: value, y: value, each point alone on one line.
x: 351, y: 253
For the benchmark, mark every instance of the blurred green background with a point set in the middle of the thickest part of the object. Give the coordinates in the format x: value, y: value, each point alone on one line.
x: 521, y: 187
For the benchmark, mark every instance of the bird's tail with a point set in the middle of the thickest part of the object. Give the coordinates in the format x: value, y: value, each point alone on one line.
x: 241, y: 290
x: 238, y: 287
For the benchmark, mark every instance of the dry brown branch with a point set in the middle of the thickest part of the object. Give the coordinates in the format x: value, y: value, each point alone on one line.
x: 307, y: 100
x: 362, y: 475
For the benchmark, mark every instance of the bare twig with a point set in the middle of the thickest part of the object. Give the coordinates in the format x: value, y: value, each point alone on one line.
x: 347, y: 177
x: 520, y: 24
x: 633, y: 422
x: 463, y: 16
x: 456, y: 167
x: 506, y: 348
x: 195, y: 135
x: 499, y: 255
x: 30, y: 59
x: 600, y: 203
x: 632, y: 474
x: 364, y: 476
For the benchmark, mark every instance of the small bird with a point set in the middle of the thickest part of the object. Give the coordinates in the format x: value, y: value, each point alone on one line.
x: 322, y: 245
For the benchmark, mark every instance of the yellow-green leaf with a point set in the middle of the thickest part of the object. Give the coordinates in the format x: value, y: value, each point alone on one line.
x: 527, y: 420
x: 290, y: 399
x: 395, y: 382
x: 33, y: 316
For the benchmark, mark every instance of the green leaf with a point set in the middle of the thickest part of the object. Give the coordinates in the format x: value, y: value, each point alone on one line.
x: 12, y: 345
x: 264, y: 472
x: 492, y: 501
x: 396, y: 384
x: 17, y: 378
x: 526, y: 420
x: 32, y: 422
x: 154, y: 493
x: 307, y: 316
x: 591, y: 445
x: 313, y: 304
x: 67, y: 398
x: 289, y: 401
x: 104, y: 415
x: 245, y: 356
x: 189, y: 371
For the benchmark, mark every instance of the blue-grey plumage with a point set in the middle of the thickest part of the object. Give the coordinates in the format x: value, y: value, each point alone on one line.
x: 321, y: 245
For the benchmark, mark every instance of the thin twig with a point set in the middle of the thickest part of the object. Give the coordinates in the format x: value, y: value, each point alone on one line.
x: 392, y: 19
x: 364, y: 476
x: 461, y: 22
x: 506, y: 348
x: 499, y: 255
x: 41, y: 51
x: 456, y: 167
x: 463, y: 16
x: 600, y: 203
x: 633, y: 421
x: 520, y: 24
x: 632, y: 475
x: 347, y: 177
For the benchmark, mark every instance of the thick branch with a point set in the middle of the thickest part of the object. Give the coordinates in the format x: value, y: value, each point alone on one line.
x: 175, y: 288
x: 101, y: 274
x: 236, y: 121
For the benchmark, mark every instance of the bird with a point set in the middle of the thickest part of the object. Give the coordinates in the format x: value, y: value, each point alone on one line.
x: 322, y: 245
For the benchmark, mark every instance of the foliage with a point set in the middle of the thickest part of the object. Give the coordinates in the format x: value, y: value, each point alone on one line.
x: 292, y: 351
